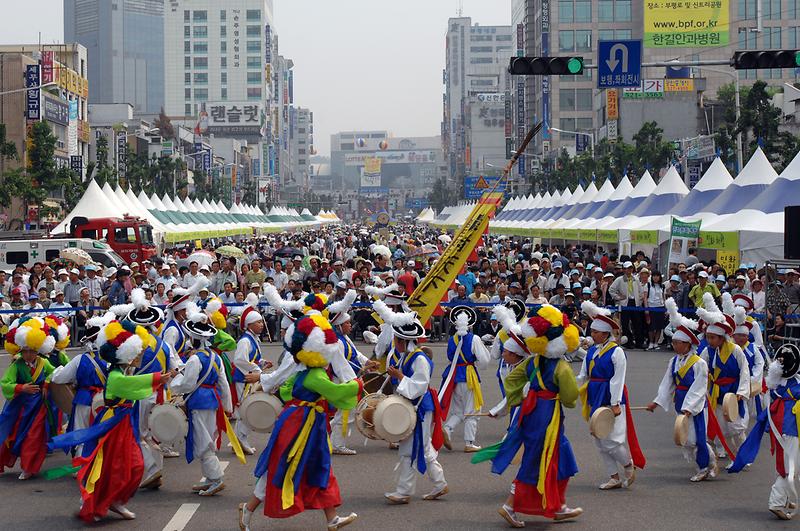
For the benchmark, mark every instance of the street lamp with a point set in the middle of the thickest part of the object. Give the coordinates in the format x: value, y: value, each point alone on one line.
x: 735, y: 76
x: 26, y: 89
x: 590, y: 135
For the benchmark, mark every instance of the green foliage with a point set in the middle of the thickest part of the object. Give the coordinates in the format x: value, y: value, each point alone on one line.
x: 105, y: 173
x: 441, y: 195
x: 8, y: 150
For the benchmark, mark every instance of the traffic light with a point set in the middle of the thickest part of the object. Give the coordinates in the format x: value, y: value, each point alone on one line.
x: 545, y: 66
x: 758, y: 59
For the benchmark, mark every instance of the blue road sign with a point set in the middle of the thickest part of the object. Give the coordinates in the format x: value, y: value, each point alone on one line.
x: 619, y: 64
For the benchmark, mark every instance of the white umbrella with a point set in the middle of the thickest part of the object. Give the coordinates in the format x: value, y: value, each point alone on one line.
x: 445, y: 238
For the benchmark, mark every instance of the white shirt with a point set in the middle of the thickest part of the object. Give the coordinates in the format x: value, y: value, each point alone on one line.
x: 617, y: 382
x: 189, y: 280
x: 416, y: 385
x: 695, y: 400
x: 271, y: 381
x: 744, y: 369
x: 186, y: 382
x: 241, y: 357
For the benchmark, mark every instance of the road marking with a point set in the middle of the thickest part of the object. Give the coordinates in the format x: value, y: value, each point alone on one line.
x: 182, y: 517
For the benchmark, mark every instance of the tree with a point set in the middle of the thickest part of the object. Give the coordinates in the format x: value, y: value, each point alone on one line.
x: 651, y: 150
x: 105, y: 173
x: 441, y: 196
x: 250, y: 192
x: 164, y: 124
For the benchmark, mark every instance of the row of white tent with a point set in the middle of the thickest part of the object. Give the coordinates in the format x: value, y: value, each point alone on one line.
x: 751, y: 205
x: 173, y: 219
x: 426, y: 216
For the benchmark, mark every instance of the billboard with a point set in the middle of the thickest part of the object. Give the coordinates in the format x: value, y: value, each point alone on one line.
x: 234, y: 118
x: 669, y: 24
x: 391, y: 157
x: 264, y: 190
x: 33, y: 112
x: 476, y: 185
x: 371, y: 174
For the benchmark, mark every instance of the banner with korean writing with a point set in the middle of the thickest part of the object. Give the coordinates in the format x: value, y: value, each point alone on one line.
x: 728, y: 260
x: 683, y: 235
x: 33, y: 110
x: 234, y: 118
x: 434, y: 286
x: 684, y: 24
x: 612, y: 104
x: 371, y: 174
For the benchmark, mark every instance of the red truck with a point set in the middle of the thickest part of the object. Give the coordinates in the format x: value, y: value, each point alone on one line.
x: 129, y: 236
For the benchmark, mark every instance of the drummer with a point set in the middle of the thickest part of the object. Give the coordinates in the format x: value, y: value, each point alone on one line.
x: 247, y: 360
x: 729, y: 372
x: 755, y: 362
x: 509, y: 348
x: 88, y: 372
x: 602, y: 384
x: 162, y: 359
x: 460, y: 393
x: 684, y: 388
x: 207, y: 398
x: 421, y: 448
x: 340, y: 320
x: 173, y: 332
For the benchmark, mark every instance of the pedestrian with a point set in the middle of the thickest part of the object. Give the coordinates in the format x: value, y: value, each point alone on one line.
x: 655, y: 315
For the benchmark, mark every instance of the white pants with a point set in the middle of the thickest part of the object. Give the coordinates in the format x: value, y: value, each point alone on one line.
x: 151, y: 454
x: 81, y: 421
x: 784, y: 490
x: 407, y: 472
x: 735, y: 432
x: 690, y: 448
x: 204, y: 424
x: 339, y: 439
x: 260, y: 490
x: 241, y: 429
x: 613, y: 450
x: 461, y: 403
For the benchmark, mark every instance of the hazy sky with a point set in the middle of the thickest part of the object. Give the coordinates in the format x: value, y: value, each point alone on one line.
x: 359, y: 64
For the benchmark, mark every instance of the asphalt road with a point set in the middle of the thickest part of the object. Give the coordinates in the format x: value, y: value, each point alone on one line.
x: 661, y: 498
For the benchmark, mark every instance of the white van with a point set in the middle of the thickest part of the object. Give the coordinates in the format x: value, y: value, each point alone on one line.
x: 28, y: 252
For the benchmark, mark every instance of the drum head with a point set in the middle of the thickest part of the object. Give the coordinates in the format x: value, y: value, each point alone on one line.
x: 602, y: 422
x: 259, y: 411
x: 62, y: 395
x: 365, y: 415
x: 755, y: 389
x: 395, y: 419
x: 168, y: 423
x: 374, y: 382
x: 730, y: 407
x: 681, y: 432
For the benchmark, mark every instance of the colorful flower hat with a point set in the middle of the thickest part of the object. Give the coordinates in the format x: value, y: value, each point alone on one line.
x: 216, y: 311
x: 316, y: 302
x: 29, y: 333
x: 548, y: 332
x: 313, y: 341
x: 119, y: 342
x: 59, y: 330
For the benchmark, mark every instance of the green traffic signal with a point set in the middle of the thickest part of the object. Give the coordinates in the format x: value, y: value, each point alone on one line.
x: 575, y: 65
x: 797, y: 58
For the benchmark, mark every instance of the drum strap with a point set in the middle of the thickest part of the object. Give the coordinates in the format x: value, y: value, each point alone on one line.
x: 202, y: 378
x: 100, y: 374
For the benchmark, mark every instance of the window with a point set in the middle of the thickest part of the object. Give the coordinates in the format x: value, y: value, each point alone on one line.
x: 480, y: 49
x: 125, y: 234
x: 223, y: 62
x: 201, y: 63
x: 583, y: 40
x: 223, y: 16
x: 567, y: 124
x: 17, y: 257
x: 566, y: 41
x: 223, y: 47
x: 253, y: 31
x: 223, y: 78
x: 201, y: 78
x: 187, y: 31
x: 793, y: 34
x: 253, y: 15
x: 481, y: 82
x: 566, y: 99
x: 187, y: 78
x: 223, y: 93
x: 253, y: 93
x: 200, y: 16
x: 301, y: 151
x: 254, y: 62
x: 791, y: 11
x: 201, y: 32
x: 584, y: 124
x: 481, y: 60
x: 772, y: 9
x: 253, y: 78
x: 187, y: 62
x: 187, y: 15
x: 772, y: 40
x: 201, y: 47
x: 574, y: 11
x: 614, y: 10
x: 187, y: 93
x: 747, y: 9
x: 583, y: 99
x: 201, y: 94
x: 54, y: 254
x: 253, y: 46
x: 187, y: 109
x: 503, y: 38
x: 223, y: 31
x: 187, y: 47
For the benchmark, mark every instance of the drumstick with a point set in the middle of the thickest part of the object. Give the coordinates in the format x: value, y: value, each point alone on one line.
x: 375, y: 377
x: 638, y: 408
x: 478, y: 415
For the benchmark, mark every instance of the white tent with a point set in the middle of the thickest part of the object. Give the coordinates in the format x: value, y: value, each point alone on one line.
x: 636, y: 197
x: 93, y: 204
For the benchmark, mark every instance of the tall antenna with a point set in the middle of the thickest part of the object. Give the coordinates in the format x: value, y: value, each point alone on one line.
x: 460, y: 10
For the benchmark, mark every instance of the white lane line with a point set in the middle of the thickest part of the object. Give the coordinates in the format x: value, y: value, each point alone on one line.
x: 182, y: 517
x: 223, y: 465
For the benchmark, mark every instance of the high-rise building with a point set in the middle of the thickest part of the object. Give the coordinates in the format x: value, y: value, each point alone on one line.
x: 301, y: 142
x: 475, y: 69
x: 573, y: 27
x: 125, y: 44
x: 216, y: 56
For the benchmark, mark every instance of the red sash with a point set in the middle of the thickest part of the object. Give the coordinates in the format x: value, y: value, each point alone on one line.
x: 715, y: 432
x: 637, y: 456
x: 437, y: 434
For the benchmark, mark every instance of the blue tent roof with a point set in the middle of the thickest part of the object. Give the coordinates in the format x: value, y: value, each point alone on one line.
x: 754, y: 178
x: 779, y: 195
x: 638, y: 195
x: 667, y: 194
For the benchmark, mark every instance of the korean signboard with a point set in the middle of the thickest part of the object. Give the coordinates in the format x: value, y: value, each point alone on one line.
x: 685, y: 23
x: 122, y: 152
x: 55, y: 110
x: 234, y: 118
x: 650, y: 88
x: 392, y: 157
x: 33, y: 111
x: 475, y: 186
x: 612, y: 104
x: 47, y: 67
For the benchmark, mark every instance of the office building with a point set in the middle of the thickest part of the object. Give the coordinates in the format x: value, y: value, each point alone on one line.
x: 124, y: 40
x: 475, y: 66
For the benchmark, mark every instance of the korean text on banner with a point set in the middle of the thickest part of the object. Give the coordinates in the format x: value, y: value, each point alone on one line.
x: 683, y: 235
x: 729, y: 260
x: 668, y: 23
x: 429, y: 293
x: 612, y: 104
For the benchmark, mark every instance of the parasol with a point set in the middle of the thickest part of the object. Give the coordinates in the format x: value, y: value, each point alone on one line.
x: 79, y: 256
x: 444, y: 238
x: 230, y: 251
x: 202, y: 258
x: 382, y: 250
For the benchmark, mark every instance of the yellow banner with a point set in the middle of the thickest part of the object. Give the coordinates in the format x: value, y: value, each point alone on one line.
x: 686, y: 24
x: 729, y: 260
x: 678, y: 85
x: 372, y: 165
x: 432, y: 289
x: 725, y: 241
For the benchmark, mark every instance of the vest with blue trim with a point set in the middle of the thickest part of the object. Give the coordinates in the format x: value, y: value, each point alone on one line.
x: 86, y: 378
x: 205, y: 396
x: 466, y: 358
x: 254, y: 356
x: 180, y: 345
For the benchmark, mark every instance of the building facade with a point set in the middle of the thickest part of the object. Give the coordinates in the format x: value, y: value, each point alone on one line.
x: 124, y: 40
x: 476, y: 63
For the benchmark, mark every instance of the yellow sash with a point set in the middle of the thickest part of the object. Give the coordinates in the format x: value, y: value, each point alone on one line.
x: 583, y: 392
x: 724, y: 353
x: 296, y: 452
x: 550, y: 438
x: 234, y: 440
x: 691, y: 361
x: 473, y: 383
x: 97, y: 466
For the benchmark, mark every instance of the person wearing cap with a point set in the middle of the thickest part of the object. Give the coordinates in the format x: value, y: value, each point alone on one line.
x: 166, y: 277
x: 626, y: 291
x: 93, y: 282
x: 17, y: 283
x: 602, y: 384
x: 32, y: 304
x: 720, y: 281
x: 558, y: 278
x: 173, y: 332
x: 508, y: 354
x: 409, y: 278
x: 728, y: 369
x: 703, y: 286
x: 739, y: 287
x: 208, y: 401
x: 117, y: 294
x: 247, y: 363
x: 88, y: 373
x: 58, y: 303
x: 48, y: 281
x: 683, y: 388
x: 460, y: 393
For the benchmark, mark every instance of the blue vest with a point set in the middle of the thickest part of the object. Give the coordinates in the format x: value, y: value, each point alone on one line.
x: 750, y: 354
x: 87, y: 378
x: 350, y: 353
x: 150, y: 362
x: 789, y: 393
x: 180, y: 345
x: 599, y: 388
x: 466, y: 357
x: 426, y: 401
x: 682, y: 386
x: 205, y: 396
x: 728, y: 369
x: 254, y: 356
